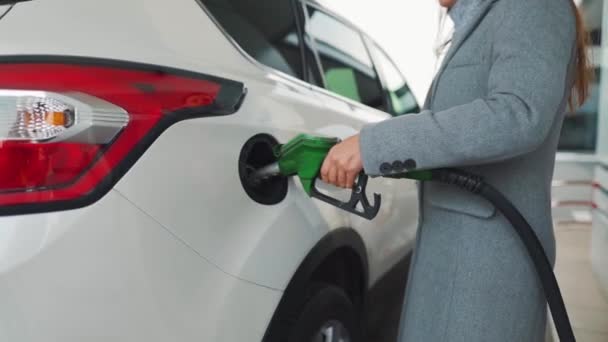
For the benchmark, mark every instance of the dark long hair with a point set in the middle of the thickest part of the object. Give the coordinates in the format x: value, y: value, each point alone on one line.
x: 584, y: 73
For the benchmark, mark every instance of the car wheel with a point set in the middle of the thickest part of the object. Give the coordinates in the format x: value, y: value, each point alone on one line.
x: 327, y: 316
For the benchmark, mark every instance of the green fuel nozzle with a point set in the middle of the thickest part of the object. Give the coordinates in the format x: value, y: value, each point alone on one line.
x: 303, y: 157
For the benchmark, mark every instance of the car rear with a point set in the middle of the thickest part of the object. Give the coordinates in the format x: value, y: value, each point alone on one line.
x: 86, y: 88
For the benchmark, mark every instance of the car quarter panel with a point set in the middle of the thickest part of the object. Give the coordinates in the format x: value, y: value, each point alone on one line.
x: 109, y: 272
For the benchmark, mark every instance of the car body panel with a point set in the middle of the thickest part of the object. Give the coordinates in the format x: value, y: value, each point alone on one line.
x: 109, y: 272
x: 178, y: 251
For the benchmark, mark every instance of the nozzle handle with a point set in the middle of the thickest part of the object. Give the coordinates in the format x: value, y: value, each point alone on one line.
x: 358, y: 195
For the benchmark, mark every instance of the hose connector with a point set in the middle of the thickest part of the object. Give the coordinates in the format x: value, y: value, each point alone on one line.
x: 468, y: 182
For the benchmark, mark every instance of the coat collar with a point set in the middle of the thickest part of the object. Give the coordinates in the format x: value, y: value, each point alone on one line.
x: 460, y: 36
x: 461, y: 11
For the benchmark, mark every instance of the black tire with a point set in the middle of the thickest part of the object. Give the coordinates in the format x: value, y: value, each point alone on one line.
x: 326, y: 304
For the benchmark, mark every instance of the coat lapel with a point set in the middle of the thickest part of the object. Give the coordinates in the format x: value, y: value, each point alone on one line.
x: 459, y: 38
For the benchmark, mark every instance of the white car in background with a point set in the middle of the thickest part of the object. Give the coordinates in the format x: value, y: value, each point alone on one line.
x: 127, y: 131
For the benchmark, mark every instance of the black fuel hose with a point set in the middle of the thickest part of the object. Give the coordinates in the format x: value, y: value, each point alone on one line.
x: 476, y: 185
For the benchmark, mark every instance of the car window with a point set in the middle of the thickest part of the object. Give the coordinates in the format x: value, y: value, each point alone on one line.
x: 579, y: 131
x: 347, y: 67
x: 266, y: 30
x: 400, y: 98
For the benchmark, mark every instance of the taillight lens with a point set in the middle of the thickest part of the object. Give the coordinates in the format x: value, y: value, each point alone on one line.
x: 69, y: 131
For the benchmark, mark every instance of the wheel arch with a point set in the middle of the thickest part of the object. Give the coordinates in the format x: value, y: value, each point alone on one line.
x: 340, y: 245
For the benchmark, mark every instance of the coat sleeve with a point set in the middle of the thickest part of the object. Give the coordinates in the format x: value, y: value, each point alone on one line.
x: 527, y: 86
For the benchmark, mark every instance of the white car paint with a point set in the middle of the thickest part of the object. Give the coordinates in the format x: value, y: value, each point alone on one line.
x: 178, y: 251
x: 109, y: 272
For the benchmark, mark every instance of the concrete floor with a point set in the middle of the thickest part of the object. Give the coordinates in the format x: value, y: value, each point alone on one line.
x: 587, y: 304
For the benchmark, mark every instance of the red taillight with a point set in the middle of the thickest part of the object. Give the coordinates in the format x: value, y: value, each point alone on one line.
x: 69, y: 131
x: 27, y: 166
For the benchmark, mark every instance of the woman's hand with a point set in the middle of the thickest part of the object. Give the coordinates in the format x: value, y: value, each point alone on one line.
x: 343, y: 163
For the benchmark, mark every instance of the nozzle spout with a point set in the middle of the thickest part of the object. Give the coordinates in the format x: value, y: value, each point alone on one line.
x: 267, y: 172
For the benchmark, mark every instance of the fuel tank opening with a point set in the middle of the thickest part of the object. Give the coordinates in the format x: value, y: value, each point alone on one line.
x: 256, y: 154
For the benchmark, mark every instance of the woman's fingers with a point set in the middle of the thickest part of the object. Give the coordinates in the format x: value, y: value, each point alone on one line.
x: 325, y: 170
x: 350, y: 179
x: 342, y: 164
x: 342, y: 175
x: 332, y: 177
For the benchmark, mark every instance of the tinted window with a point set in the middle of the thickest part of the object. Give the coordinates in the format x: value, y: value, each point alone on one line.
x: 266, y: 29
x: 347, y: 67
x: 400, y: 98
x: 579, y: 132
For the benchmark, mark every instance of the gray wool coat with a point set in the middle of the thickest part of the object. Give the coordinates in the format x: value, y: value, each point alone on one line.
x: 495, y: 109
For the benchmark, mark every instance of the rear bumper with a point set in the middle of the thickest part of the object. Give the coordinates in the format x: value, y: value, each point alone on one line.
x: 109, y: 272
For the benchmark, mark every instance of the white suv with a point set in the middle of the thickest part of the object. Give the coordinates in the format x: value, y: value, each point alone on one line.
x: 127, y: 131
